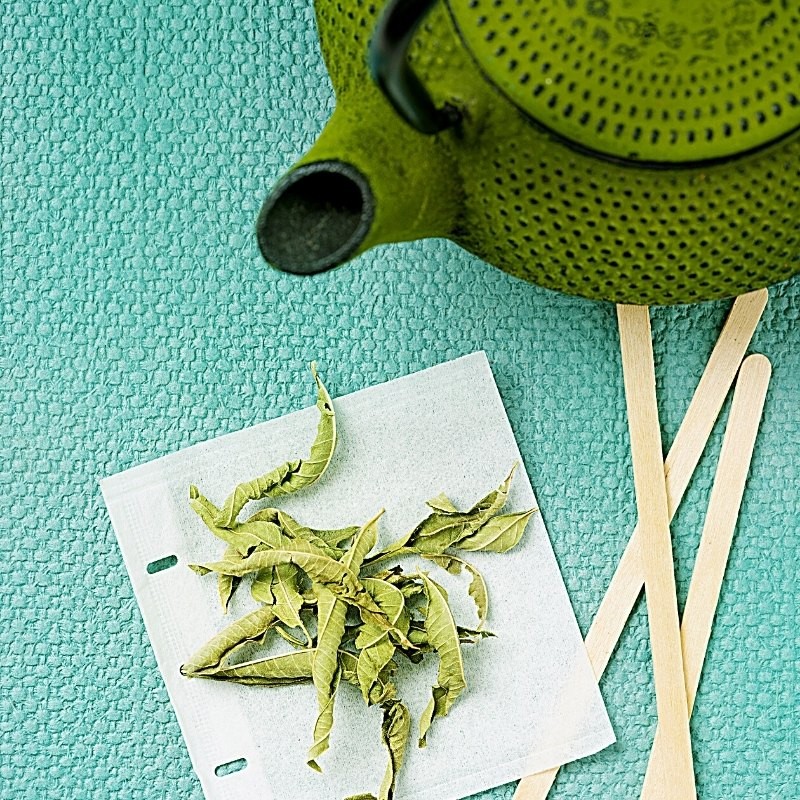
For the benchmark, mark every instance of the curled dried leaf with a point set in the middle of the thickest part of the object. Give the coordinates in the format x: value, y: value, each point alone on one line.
x: 371, y: 662
x: 333, y: 538
x: 443, y: 637
x: 477, y: 587
x: 470, y: 636
x: 395, y: 728
x: 242, y: 541
x: 293, y: 475
x: 325, y: 668
x: 362, y: 544
x: 319, y: 567
x: 249, y: 628
x: 279, y: 670
x: 294, y: 530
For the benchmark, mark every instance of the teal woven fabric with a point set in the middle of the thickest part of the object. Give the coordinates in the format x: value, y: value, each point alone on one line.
x: 137, y: 142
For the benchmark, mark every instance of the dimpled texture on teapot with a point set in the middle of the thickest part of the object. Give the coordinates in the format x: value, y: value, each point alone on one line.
x: 571, y: 222
x: 138, y: 140
x: 646, y: 80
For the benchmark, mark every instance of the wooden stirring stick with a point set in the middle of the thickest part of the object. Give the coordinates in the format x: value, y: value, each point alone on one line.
x: 716, y: 539
x: 683, y: 457
x: 675, y: 773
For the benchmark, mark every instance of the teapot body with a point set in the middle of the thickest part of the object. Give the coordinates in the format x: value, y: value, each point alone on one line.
x: 530, y: 203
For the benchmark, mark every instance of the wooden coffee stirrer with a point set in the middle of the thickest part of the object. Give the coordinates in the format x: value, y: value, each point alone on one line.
x: 679, y: 466
x: 716, y: 539
x: 674, y: 772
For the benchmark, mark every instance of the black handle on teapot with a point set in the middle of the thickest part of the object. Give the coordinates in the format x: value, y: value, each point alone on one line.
x: 388, y: 61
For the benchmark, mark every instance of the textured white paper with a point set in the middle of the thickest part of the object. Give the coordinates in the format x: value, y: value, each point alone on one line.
x: 532, y: 701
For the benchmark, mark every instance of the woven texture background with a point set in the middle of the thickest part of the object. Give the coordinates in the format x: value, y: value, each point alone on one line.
x: 137, y: 142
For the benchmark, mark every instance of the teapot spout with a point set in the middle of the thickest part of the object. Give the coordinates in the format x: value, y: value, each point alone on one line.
x: 368, y: 180
x: 316, y: 217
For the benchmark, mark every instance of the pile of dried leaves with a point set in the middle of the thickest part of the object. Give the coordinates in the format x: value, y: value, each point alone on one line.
x: 323, y: 592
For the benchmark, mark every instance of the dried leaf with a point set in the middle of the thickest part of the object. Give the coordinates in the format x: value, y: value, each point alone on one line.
x: 450, y: 563
x: 384, y: 688
x: 442, y: 503
x: 371, y: 661
x: 261, y: 587
x: 247, y: 629
x: 364, y: 541
x: 441, y: 530
x: 374, y: 643
x: 391, y: 602
x: 352, y: 560
x: 256, y: 489
x: 379, y: 618
x: 393, y: 575
x: 443, y: 637
x: 208, y: 513
x: 288, y: 600
x: 412, y: 589
x: 418, y: 635
x: 293, y: 475
x: 325, y: 669
x: 319, y: 567
x: 279, y: 670
x: 333, y: 537
x: 264, y: 515
x: 465, y: 636
x: 349, y: 665
x: 267, y: 533
x: 469, y: 636
x: 394, y: 731
x: 294, y: 530
x: 226, y: 584
x: 477, y: 587
x: 495, y: 500
x: 395, y: 728
x: 499, y: 534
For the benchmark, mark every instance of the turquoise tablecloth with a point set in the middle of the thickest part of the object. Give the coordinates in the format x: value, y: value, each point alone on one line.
x: 137, y: 142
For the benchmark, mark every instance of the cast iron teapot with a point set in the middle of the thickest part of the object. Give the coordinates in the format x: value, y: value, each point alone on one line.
x: 637, y: 151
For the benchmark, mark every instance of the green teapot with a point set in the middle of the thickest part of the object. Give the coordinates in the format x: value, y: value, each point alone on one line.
x: 637, y: 151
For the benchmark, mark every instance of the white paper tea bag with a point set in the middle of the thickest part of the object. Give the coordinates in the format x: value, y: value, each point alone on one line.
x: 531, y: 702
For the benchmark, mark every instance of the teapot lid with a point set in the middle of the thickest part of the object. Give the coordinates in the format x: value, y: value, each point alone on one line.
x: 679, y: 82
